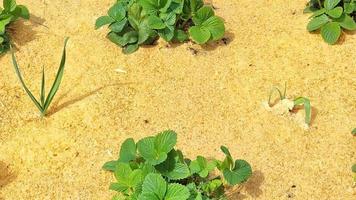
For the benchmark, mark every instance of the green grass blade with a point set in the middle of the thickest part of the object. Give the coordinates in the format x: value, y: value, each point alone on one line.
x: 271, y: 93
x: 58, y: 79
x: 307, y: 107
x: 43, y: 95
x: 17, y: 70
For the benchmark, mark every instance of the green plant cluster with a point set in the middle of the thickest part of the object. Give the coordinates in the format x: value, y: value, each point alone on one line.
x: 45, y: 100
x: 152, y: 169
x: 331, y: 17
x: 8, y: 14
x: 138, y: 22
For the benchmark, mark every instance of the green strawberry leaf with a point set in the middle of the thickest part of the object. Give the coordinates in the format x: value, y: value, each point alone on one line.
x: 347, y: 22
x: 214, y: 186
x: 228, y: 162
x: 199, y: 34
x: 202, y: 167
x: 239, y: 174
x: 165, y: 141
x: 118, y: 26
x: 177, y: 192
x: 180, y: 171
x: 216, y: 27
x: 177, y: 6
x: 9, y: 5
x: 330, y: 4
x: 102, y: 21
x: 180, y: 36
x: 122, y: 172
x: 126, y: 177
x: 348, y: 8
x: 203, y: 14
x: 130, y: 48
x: 170, y: 19
x: 127, y: 151
x: 110, y: 166
x: 167, y: 33
x: 3, y: 24
x: 173, y: 167
x: 117, y: 12
x: 317, y: 22
x: 331, y: 32
x: 195, y: 5
x: 155, y: 149
x: 318, y: 13
x: 21, y: 11
x: 155, y: 22
x: 335, y: 12
x: 118, y: 187
x: 146, y: 147
x: 154, y: 187
x: 164, y: 5
x: 129, y: 37
x: 150, y: 6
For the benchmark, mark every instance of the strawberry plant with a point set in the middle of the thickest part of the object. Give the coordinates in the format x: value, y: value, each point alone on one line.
x: 45, y: 101
x: 141, y: 22
x: 152, y: 169
x: 8, y: 14
x: 331, y: 17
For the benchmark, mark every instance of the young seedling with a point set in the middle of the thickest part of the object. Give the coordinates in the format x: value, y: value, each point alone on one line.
x: 153, y: 169
x: 331, y: 16
x: 10, y: 13
x: 133, y: 23
x: 45, y: 101
x: 300, y: 101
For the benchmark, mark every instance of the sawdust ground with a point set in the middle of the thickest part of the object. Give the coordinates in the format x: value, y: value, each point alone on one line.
x: 211, y: 99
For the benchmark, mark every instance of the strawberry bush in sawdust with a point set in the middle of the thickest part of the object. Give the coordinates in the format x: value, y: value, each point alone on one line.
x: 8, y: 14
x: 152, y: 169
x: 141, y: 22
x: 331, y: 17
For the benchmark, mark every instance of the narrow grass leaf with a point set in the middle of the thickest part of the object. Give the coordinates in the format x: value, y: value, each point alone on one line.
x: 307, y: 107
x: 58, y: 79
x: 281, y: 96
x: 18, y: 73
x: 43, y: 95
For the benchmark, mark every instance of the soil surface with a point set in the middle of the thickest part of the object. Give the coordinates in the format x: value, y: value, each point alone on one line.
x: 210, y: 95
